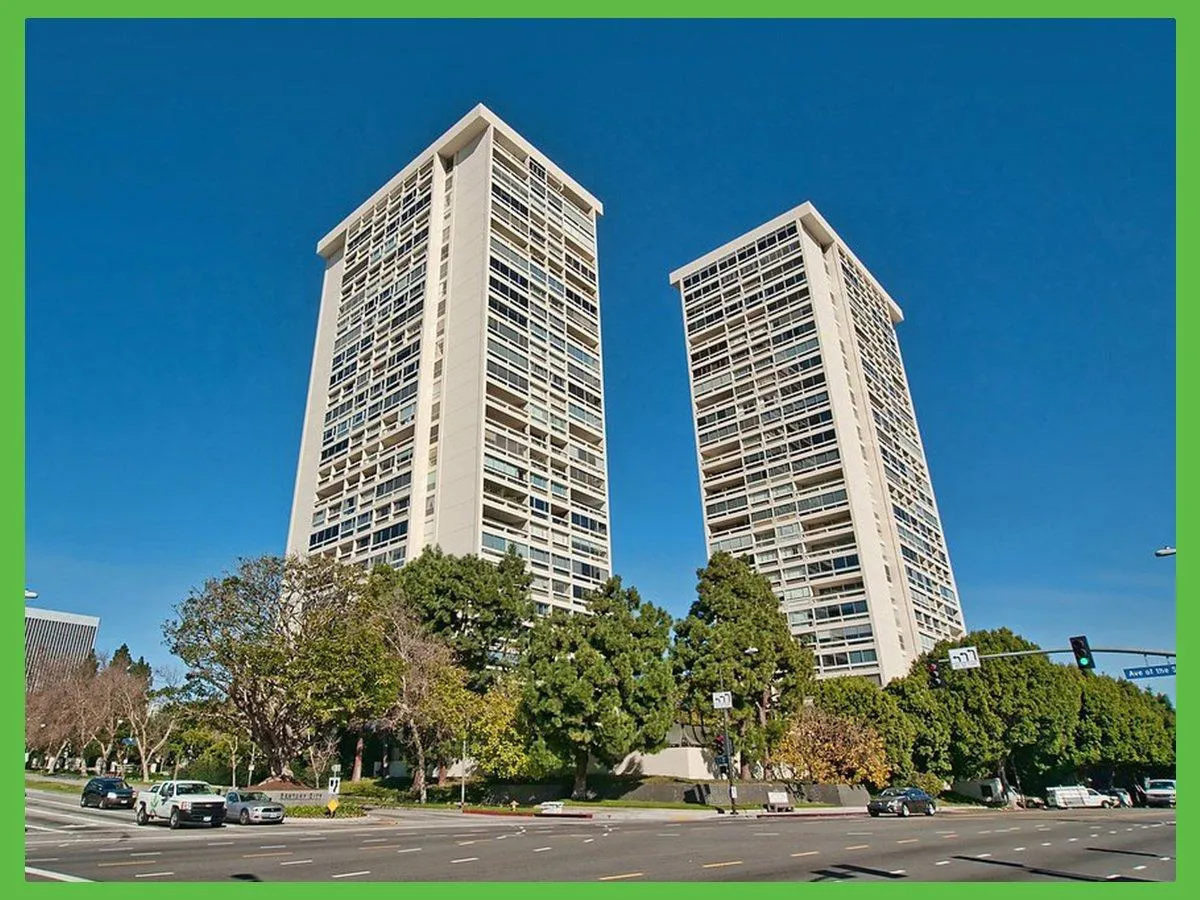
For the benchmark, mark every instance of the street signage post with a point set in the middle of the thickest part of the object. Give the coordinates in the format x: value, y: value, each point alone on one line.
x: 964, y: 658
x: 723, y: 700
x: 335, y: 786
x: 1150, y: 671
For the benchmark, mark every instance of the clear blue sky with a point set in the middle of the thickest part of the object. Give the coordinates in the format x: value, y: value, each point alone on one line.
x: 1011, y: 184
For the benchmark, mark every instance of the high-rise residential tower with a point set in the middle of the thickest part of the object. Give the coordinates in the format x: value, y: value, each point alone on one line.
x: 809, y: 454
x: 456, y: 394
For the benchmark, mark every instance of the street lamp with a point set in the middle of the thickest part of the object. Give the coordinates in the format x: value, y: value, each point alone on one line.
x: 1164, y: 551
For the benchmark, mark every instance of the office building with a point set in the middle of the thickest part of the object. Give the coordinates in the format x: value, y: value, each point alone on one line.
x: 809, y: 454
x: 54, y: 640
x: 456, y: 393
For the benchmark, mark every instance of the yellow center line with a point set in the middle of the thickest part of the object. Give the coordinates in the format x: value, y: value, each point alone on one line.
x: 858, y: 846
x: 732, y: 862
x: 807, y: 853
x: 626, y: 875
x: 259, y: 855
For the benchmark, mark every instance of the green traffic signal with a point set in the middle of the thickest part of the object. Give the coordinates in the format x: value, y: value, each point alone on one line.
x: 1083, y: 653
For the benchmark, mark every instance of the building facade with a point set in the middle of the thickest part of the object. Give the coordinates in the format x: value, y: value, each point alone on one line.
x: 456, y: 392
x: 54, y: 639
x: 810, y: 459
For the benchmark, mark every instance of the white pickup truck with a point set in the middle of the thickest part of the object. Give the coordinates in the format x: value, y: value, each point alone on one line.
x: 1160, y: 792
x: 179, y: 803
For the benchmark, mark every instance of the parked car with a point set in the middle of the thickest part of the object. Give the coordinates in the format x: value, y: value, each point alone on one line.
x: 903, y: 802
x: 1076, y: 795
x: 1160, y: 792
x: 104, y: 793
x: 252, y: 806
x: 1120, y: 795
x: 181, y: 802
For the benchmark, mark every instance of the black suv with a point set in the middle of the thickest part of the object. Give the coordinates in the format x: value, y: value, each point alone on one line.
x: 106, y: 792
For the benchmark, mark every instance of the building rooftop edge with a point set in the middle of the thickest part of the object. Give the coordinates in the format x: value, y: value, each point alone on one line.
x: 814, y: 223
x: 54, y: 615
x: 465, y: 127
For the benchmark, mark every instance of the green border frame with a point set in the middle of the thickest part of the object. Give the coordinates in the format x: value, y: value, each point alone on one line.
x: 12, y: 328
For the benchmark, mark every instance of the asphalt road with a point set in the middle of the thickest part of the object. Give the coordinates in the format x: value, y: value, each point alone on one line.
x: 64, y: 842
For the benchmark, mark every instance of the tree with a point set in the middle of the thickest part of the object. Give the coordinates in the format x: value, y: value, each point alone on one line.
x: 431, y: 700
x: 736, y: 611
x: 1015, y: 716
x: 288, y: 642
x: 600, y: 685
x: 1123, y: 732
x: 865, y: 702
x: 498, y: 743
x: 478, y: 608
x: 827, y: 748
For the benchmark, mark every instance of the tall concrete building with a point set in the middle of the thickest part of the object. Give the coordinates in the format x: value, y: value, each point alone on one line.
x: 54, y: 639
x: 809, y: 454
x: 456, y: 394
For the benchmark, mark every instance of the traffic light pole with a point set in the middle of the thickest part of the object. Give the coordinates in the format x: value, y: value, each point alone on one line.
x: 1170, y: 654
x: 729, y: 766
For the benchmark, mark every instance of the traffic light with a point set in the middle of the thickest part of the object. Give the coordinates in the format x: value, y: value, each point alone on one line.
x: 935, y: 676
x: 1083, y: 653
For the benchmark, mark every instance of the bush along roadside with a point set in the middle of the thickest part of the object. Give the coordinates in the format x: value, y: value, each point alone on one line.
x: 344, y: 811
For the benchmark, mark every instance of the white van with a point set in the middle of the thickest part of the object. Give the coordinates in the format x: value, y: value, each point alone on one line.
x: 1077, y: 796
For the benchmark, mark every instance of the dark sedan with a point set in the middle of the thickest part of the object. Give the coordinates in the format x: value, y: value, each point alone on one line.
x: 903, y: 802
x: 104, y: 793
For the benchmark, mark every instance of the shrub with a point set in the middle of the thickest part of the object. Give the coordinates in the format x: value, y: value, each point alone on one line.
x: 344, y: 811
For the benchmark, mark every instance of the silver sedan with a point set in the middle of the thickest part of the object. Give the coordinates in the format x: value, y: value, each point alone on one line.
x: 252, y: 806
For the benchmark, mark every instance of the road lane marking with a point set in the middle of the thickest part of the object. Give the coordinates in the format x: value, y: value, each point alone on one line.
x: 45, y: 859
x: 464, y: 859
x: 944, y: 862
x: 464, y: 843
x: 410, y: 850
x: 908, y: 841
x: 1138, y: 868
x: 275, y: 846
x: 1070, y: 840
x: 302, y: 839
x: 897, y: 872
x: 985, y: 831
x: 263, y: 855
x: 295, y: 862
x: 541, y: 849
x: 1164, y: 859
x: 589, y: 840
x: 807, y: 853
x: 718, y: 865
x: 858, y: 846
x: 152, y: 874
x: 982, y: 855
x: 54, y: 876
x: 352, y: 874
x: 1018, y: 849
x: 757, y: 833
x: 136, y: 862
x: 947, y: 836
x: 616, y: 877
x: 221, y: 843
x: 375, y: 840
x: 147, y: 853
x: 857, y: 833
x: 379, y: 847
x: 1045, y: 843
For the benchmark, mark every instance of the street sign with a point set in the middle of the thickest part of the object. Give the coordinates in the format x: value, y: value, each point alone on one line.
x: 1150, y: 671
x: 332, y: 805
x: 722, y: 700
x: 964, y: 658
x: 335, y: 786
x: 336, y: 768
